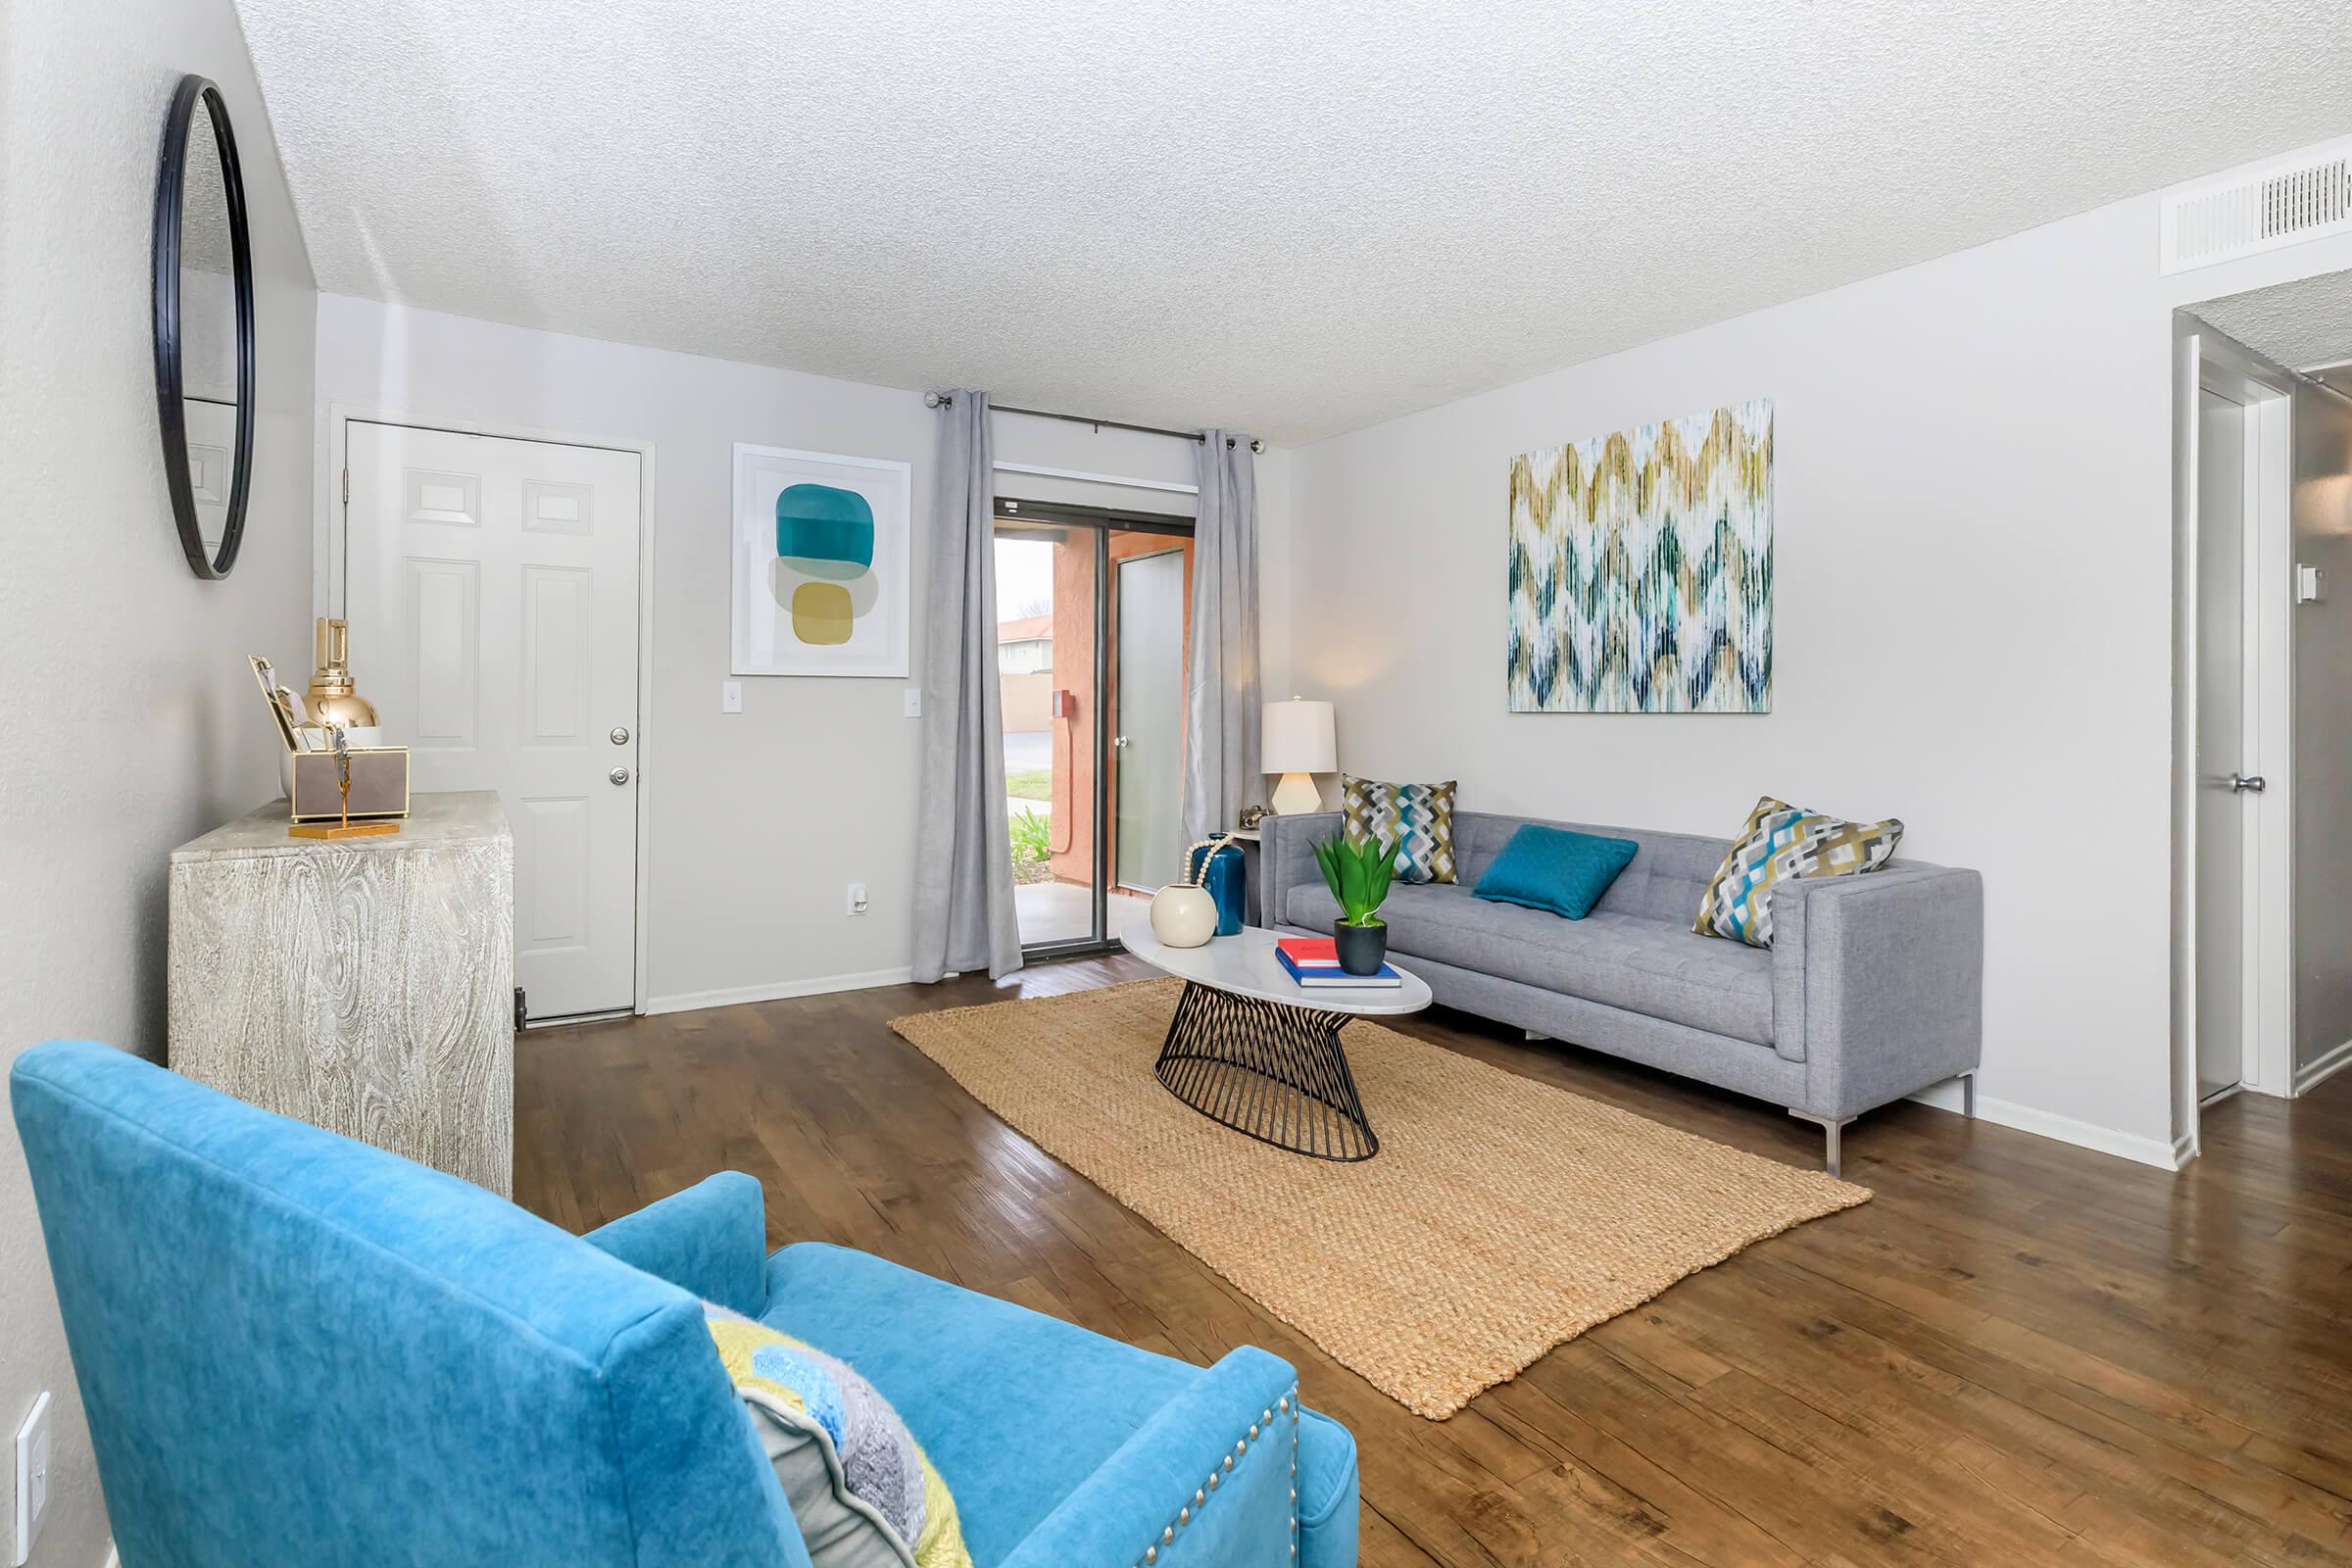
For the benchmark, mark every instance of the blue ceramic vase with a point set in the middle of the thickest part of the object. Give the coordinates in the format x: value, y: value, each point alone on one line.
x: 1226, y: 876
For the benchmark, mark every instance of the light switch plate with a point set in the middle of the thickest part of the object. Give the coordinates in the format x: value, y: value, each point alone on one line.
x: 730, y: 697
x: 857, y: 898
x: 915, y: 702
x: 32, y: 1478
x: 2309, y: 589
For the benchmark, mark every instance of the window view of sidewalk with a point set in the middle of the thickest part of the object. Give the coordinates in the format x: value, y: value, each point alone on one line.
x: 1045, y: 591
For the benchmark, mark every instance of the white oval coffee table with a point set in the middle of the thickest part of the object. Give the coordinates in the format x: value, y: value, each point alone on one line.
x: 1255, y: 1051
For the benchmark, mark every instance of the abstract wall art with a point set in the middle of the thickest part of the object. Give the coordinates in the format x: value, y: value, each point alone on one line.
x: 1641, y: 570
x: 821, y: 563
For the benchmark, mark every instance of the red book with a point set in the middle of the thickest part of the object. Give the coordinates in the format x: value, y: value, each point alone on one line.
x: 1310, y: 953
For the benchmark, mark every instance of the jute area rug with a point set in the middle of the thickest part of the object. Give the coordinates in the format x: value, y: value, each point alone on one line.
x: 1500, y: 1217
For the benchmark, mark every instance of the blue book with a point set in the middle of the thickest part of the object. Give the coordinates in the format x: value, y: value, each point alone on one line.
x: 1338, y: 979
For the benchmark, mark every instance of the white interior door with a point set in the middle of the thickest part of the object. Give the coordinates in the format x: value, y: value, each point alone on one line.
x: 2221, y: 797
x: 491, y: 587
x: 1148, y: 742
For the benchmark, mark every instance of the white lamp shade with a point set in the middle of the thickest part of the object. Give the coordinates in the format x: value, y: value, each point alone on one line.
x: 1297, y: 737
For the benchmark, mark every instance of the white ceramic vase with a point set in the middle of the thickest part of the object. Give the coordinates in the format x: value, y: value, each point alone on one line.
x: 1183, y: 916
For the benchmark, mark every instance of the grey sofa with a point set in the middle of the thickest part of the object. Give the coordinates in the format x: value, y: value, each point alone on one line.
x: 1872, y: 988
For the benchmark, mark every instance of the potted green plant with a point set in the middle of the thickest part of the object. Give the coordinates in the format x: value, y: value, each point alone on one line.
x: 1359, y: 876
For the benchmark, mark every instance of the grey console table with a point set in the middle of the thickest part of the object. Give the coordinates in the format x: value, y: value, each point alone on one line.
x: 363, y: 985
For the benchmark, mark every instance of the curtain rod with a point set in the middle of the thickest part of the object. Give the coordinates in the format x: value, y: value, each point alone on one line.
x: 937, y: 399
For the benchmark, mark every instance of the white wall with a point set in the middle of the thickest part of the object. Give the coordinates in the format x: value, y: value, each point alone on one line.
x: 742, y: 904
x: 130, y: 720
x: 1972, y: 617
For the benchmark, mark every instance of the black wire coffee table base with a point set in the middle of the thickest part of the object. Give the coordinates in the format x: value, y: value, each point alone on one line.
x: 1275, y: 1072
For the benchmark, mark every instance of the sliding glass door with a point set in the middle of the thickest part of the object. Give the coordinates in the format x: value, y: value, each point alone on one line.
x: 1092, y: 612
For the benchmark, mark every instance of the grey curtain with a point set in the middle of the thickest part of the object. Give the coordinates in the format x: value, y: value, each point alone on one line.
x: 964, y: 910
x: 1221, y: 704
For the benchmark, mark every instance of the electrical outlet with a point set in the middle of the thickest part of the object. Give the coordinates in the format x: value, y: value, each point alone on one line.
x: 857, y: 898
x: 915, y: 702
x: 730, y: 697
x: 32, y: 1478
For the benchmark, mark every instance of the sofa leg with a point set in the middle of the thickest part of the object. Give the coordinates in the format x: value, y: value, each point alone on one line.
x: 1968, y: 1094
x: 1535, y: 1034
x: 1831, y: 1127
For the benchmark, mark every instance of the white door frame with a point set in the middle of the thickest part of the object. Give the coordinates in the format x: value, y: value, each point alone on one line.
x: 333, y: 538
x: 2212, y: 362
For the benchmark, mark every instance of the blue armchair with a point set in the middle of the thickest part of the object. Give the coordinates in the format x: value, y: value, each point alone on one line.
x: 297, y: 1350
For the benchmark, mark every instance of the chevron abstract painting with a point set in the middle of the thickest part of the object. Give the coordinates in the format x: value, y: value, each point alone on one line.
x: 1641, y: 570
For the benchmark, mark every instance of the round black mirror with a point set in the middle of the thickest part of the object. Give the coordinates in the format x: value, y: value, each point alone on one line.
x: 203, y: 327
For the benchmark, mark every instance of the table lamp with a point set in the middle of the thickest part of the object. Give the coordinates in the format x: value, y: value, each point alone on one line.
x: 1296, y: 741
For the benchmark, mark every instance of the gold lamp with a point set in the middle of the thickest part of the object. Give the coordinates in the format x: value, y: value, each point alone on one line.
x: 331, y: 696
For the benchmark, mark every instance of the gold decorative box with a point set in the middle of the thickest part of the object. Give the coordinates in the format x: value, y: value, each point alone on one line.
x: 379, y: 784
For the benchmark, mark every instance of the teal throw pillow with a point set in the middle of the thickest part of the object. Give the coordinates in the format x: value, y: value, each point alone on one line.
x: 1552, y: 868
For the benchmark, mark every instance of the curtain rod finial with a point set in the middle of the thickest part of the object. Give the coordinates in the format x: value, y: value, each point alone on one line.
x: 935, y: 400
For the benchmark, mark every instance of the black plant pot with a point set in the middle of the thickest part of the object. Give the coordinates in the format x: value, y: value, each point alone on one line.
x: 1362, y: 948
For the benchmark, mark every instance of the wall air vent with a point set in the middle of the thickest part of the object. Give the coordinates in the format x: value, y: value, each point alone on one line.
x: 2260, y: 207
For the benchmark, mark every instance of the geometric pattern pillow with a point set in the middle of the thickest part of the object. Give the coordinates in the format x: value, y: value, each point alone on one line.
x: 862, y: 1492
x: 1418, y: 818
x: 1781, y: 844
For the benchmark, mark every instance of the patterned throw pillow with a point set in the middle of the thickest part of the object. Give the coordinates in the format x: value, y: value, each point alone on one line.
x: 861, y: 1491
x: 1418, y: 818
x: 1779, y: 844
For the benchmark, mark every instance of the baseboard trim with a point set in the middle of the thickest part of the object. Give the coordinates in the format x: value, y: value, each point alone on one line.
x: 778, y: 991
x: 2065, y: 1129
x: 2319, y: 1072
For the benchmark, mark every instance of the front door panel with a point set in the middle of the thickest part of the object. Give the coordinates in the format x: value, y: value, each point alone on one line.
x: 492, y: 594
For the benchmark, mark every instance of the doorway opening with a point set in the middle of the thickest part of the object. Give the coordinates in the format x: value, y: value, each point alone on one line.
x: 2262, y: 774
x: 1093, y: 615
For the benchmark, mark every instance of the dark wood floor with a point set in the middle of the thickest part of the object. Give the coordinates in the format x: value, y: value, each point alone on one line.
x: 2021, y: 1353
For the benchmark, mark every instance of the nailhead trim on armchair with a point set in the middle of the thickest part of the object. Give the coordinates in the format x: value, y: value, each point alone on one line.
x: 1288, y: 1405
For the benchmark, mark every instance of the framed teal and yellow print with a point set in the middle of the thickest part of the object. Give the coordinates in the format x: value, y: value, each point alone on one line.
x: 822, y: 561
x: 1641, y: 570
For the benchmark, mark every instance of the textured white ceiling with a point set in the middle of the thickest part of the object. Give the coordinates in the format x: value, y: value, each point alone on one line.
x: 2304, y: 324
x: 1292, y: 219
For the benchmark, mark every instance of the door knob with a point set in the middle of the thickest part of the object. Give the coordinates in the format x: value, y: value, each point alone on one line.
x: 2243, y: 785
x: 620, y: 776
x: 620, y: 736
x: 1119, y: 741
